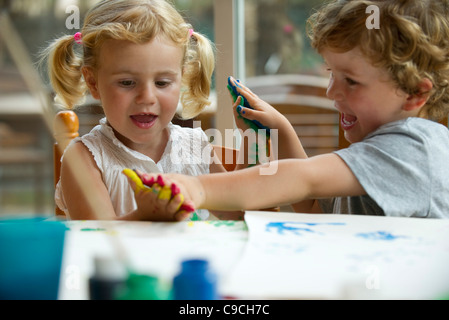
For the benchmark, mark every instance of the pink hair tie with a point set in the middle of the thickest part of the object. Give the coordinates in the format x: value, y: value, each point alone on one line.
x: 78, y: 37
x: 190, y: 32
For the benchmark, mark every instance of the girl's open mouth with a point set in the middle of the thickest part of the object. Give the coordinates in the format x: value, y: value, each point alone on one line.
x: 144, y: 120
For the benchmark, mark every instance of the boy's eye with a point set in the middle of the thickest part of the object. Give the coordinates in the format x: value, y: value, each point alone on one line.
x: 351, y: 82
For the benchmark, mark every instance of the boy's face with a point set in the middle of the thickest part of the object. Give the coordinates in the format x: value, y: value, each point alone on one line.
x: 139, y: 87
x: 365, y: 95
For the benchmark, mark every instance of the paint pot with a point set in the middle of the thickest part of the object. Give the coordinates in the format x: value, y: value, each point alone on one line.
x: 108, y: 280
x: 195, y: 281
x: 142, y: 287
x: 31, y: 252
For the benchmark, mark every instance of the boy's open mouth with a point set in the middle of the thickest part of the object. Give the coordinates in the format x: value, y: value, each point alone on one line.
x: 347, y: 121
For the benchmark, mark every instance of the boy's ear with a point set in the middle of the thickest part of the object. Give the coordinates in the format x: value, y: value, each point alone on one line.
x: 91, y: 81
x: 416, y: 101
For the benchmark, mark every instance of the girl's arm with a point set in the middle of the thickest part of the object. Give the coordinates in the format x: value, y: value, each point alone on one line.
x: 84, y: 192
x: 87, y: 197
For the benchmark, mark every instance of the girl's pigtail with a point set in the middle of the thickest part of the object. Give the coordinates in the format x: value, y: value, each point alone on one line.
x: 64, y: 69
x: 198, y: 70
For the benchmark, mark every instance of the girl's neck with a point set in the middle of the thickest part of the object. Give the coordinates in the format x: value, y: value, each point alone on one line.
x: 154, y: 149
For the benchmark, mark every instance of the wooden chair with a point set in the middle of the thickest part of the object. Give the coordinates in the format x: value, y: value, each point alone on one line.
x: 66, y: 126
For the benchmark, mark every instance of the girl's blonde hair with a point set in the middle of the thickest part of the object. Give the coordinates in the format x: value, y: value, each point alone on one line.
x: 138, y: 21
x: 412, y: 42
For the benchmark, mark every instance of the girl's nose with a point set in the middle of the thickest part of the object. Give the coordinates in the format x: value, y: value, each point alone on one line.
x: 146, y: 95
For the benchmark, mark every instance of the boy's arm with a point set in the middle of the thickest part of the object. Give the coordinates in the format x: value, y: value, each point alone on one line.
x: 295, y: 180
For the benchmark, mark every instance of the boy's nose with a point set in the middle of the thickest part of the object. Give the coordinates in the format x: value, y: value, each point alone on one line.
x: 333, y: 91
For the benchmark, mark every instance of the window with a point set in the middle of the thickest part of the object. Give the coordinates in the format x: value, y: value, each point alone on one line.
x: 276, y: 40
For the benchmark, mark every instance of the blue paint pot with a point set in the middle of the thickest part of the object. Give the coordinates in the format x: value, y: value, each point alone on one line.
x: 195, y: 281
x: 31, y: 251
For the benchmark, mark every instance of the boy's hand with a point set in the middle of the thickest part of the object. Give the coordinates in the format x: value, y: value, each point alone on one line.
x: 262, y: 112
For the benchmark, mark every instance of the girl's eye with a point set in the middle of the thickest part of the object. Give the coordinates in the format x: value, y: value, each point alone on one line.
x: 127, y: 83
x: 162, y: 83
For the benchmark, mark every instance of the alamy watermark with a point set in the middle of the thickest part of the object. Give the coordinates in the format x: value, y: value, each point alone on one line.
x: 258, y: 150
x: 372, y: 281
x: 73, y: 20
x: 373, y: 20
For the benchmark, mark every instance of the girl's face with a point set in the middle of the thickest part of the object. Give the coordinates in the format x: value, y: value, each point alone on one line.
x: 365, y: 95
x: 139, y: 87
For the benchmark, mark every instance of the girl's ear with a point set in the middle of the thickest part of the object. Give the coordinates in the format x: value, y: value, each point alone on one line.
x: 416, y: 101
x: 91, y: 81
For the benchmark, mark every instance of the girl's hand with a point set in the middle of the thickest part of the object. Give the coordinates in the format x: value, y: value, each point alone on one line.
x: 153, y: 208
x: 157, y: 201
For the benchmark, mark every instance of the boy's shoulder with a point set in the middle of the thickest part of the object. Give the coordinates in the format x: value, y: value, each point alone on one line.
x: 399, y: 139
x: 412, y: 126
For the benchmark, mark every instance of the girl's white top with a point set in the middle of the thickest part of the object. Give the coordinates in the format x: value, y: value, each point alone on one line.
x: 188, y: 151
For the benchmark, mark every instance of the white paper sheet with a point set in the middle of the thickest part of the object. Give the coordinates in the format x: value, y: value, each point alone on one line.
x: 295, y: 256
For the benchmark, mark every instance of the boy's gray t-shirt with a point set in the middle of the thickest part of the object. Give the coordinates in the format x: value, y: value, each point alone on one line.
x: 403, y: 167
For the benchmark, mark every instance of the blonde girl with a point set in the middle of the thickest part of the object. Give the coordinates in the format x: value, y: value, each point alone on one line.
x: 139, y: 58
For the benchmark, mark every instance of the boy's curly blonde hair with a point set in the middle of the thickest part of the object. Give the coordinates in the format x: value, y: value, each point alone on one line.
x: 412, y: 42
x: 138, y: 21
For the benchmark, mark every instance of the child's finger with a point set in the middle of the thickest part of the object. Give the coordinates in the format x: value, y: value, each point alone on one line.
x: 156, y: 188
x: 244, y: 112
x: 175, y: 203
x: 187, y: 206
x: 147, y: 179
x: 185, y: 210
x: 133, y: 178
x: 175, y: 189
x: 251, y: 114
x: 165, y: 193
x: 241, y: 88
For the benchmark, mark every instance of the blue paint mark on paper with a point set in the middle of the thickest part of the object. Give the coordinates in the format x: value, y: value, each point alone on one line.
x: 379, y: 235
x: 291, y: 227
